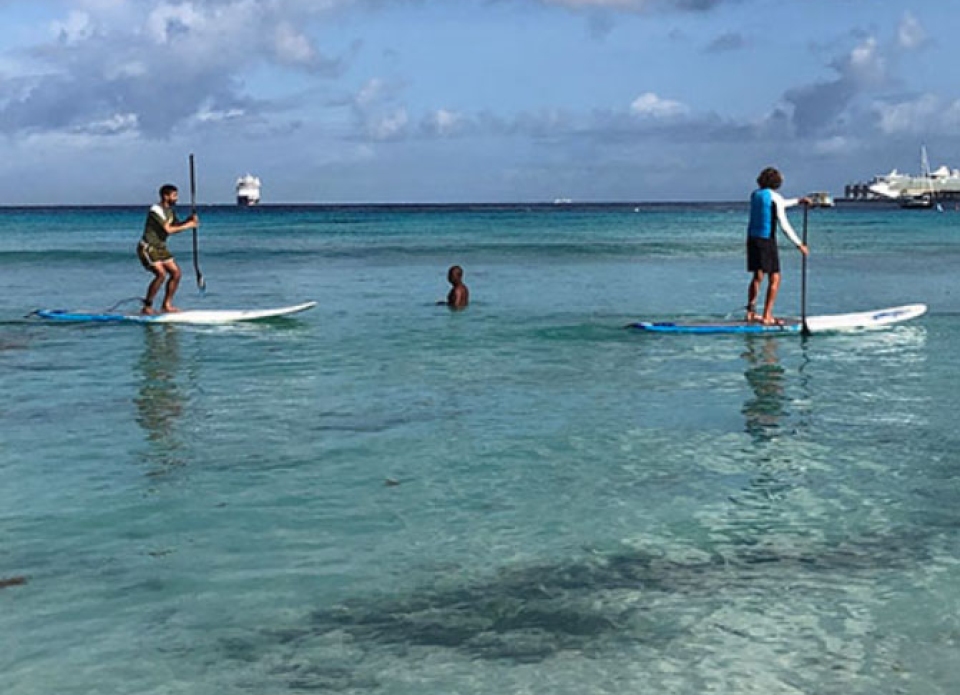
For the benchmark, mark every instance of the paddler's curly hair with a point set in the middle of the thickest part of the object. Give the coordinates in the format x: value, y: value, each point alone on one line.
x: 770, y: 178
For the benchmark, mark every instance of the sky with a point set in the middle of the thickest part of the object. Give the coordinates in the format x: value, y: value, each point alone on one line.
x: 453, y: 101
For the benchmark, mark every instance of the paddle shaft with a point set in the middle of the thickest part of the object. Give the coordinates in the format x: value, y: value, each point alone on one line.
x: 201, y: 283
x: 803, y: 277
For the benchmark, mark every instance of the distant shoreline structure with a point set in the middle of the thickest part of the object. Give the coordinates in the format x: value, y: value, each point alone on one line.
x: 625, y: 205
x: 544, y: 206
x: 942, y: 183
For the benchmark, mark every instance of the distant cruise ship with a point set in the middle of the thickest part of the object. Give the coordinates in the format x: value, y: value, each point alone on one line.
x: 248, y: 190
x: 929, y: 184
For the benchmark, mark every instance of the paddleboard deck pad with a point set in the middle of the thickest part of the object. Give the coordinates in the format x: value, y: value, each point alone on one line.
x: 198, y: 316
x: 864, y: 320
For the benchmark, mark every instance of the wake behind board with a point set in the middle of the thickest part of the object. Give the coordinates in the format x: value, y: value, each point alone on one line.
x: 864, y: 320
x: 199, y: 316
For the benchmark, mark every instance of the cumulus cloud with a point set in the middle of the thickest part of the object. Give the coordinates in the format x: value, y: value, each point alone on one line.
x: 819, y: 106
x: 115, y: 124
x: 77, y: 26
x: 370, y: 93
x: 162, y: 62
x: 652, y: 106
x: 378, y: 110
x: 836, y: 145
x: 292, y: 46
x: 910, y: 34
x: 865, y: 64
x: 925, y: 114
x: 444, y: 123
x: 176, y: 63
x: 390, y: 126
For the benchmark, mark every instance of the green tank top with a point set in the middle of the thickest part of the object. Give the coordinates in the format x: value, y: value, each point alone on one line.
x: 153, y: 232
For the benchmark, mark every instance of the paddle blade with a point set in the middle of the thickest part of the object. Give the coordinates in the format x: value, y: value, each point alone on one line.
x: 201, y: 283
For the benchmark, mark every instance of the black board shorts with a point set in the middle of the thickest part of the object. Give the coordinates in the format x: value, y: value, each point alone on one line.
x: 762, y: 255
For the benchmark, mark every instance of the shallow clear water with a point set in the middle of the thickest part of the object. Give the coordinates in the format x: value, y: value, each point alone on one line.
x: 381, y: 496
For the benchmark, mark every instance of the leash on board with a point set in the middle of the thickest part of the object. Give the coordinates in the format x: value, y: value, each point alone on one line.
x: 109, y: 310
x: 128, y: 300
x: 201, y: 283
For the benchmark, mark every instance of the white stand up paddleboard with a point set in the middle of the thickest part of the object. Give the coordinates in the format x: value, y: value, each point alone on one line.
x: 864, y: 320
x: 199, y: 316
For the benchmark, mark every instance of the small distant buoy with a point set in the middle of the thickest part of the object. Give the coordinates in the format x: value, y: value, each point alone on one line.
x: 390, y: 482
x: 12, y: 581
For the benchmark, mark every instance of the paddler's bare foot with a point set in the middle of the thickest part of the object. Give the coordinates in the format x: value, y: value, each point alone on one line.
x: 147, y: 311
x: 170, y: 309
x: 752, y: 317
x: 771, y: 321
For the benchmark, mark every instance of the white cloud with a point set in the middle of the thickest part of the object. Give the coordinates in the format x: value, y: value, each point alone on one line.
x: 444, y: 123
x: 166, y: 22
x: 132, y: 56
x: 77, y: 26
x: 653, y: 106
x: 207, y: 114
x: 389, y: 127
x: 115, y: 124
x: 836, y: 145
x: 865, y: 62
x: 821, y: 107
x: 926, y: 115
x: 127, y: 70
x: 910, y: 33
x: 370, y: 92
x: 292, y: 46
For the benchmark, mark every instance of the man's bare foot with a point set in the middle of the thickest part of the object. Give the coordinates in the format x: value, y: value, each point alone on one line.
x: 170, y: 309
x: 147, y: 311
x: 771, y: 321
x: 752, y: 317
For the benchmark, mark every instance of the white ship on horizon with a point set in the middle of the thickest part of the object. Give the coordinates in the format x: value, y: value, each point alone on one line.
x: 248, y: 190
x: 899, y: 186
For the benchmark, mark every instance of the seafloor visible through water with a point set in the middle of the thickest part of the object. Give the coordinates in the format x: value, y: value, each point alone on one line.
x: 383, y: 496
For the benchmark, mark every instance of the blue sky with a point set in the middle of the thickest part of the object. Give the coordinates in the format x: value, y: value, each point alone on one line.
x: 365, y: 101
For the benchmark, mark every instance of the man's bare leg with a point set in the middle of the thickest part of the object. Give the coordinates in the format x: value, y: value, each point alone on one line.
x: 753, y: 291
x: 172, y: 284
x: 159, y: 275
x: 773, y: 287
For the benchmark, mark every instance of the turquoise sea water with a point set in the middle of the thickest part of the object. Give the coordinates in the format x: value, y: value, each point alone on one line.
x: 381, y: 496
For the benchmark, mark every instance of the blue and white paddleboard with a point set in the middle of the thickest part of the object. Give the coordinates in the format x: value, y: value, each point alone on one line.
x: 199, y: 316
x: 864, y: 320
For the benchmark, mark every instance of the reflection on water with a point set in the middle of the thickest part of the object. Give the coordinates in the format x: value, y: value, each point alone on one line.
x: 767, y: 379
x: 159, y: 399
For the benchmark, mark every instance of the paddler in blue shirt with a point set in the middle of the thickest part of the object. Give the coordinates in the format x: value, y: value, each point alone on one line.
x: 153, y: 252
x: 767, y: 210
